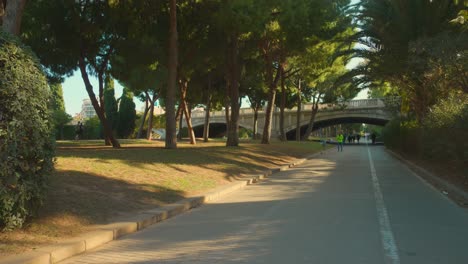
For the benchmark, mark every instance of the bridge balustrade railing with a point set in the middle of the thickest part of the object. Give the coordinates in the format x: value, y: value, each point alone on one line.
x: 353, y: 104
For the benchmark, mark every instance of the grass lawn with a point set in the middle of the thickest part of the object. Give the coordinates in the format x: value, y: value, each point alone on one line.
x: 93, y: 183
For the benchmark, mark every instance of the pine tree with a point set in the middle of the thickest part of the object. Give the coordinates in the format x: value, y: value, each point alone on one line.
x: 110, y: 104
x: 127, y: 114
x: 57, y: 105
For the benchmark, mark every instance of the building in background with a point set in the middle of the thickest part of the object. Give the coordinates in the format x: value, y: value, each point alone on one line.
x: 158, y: 110
x: 87, y: 109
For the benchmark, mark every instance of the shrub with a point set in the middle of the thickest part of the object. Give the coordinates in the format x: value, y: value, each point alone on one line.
x: 442, y: 136
x: 244, y: 133
x: 446, y: 129
x: 391, y: 134
x: 92, y: 128
x: 69, y: 132
x: 26, y: 144
x: 60, y: 119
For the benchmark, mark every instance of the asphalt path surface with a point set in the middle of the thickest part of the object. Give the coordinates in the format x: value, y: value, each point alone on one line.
x: 359, y: 206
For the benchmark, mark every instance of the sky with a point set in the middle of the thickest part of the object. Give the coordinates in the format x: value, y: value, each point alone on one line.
x: 74, y: 92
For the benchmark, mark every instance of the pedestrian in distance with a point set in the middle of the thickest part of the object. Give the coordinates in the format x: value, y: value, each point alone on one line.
x: 358, y: 137
x: 78, y: 130
x: 373, y: 136
x: 339, y: 139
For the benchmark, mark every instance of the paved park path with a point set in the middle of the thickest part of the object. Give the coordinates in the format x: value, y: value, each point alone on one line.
x: 359, y: 206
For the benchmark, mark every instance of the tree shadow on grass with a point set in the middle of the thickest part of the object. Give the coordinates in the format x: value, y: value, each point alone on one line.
x: 77, y: 201
x: 194, y: 156
x: 230, y: 162
x: 99, y: 198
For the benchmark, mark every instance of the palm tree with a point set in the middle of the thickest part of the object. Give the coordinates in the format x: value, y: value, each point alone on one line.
x: 387, y: 32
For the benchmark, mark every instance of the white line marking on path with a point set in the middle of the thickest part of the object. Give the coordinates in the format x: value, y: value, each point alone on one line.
x: 388, y: 240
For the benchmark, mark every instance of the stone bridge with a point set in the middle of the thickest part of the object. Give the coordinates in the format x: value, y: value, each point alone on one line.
x: 369, y: 111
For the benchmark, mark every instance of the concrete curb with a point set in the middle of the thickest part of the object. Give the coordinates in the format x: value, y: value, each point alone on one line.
x: 128, y: 225
x: 457, y: 195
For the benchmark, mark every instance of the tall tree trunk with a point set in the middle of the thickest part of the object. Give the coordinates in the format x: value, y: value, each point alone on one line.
x: 298, y: 113
x: 421, y: 102
x: 149, y: 132
x: 233, y: 65
x: 99, y: 109
x: 282, y: 106
x: 13, y: 15
x: 179, y: 116
x: 185, y: 108
x: 188, y: 113
x: 268, y: 117
x: 206, y: 126
x: 312, y: 118
x: 180, y: 119
x: 2, y: 12
x: 255, y: 122
x: 102, y: 103
x: 171, y: 140
x: 227, y: 109
x: 272, y: 83
x: 143, y: 119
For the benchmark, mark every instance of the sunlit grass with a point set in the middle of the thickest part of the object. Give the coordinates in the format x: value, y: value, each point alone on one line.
x: 94, y: 183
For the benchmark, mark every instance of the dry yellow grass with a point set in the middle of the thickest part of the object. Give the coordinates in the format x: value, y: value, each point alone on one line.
x: 93, y: 184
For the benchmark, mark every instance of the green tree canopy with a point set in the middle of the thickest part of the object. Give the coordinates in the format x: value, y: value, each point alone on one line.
x: 396, y: 41
x: 84, y: 35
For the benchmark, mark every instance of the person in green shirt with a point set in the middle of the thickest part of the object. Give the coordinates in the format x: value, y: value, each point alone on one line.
x: 340, y: 139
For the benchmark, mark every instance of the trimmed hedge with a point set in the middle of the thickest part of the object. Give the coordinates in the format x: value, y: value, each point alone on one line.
x: 26, y: 140
x: 68, y: 133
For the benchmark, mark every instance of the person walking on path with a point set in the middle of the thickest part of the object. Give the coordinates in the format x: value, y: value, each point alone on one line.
x: 340, y: 139
x: 78, y: 131
x: 373, y: 136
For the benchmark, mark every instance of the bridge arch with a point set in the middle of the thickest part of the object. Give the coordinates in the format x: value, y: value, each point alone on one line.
x: 318, y: 124
x: 217, y: 129
x: 369, y: 111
